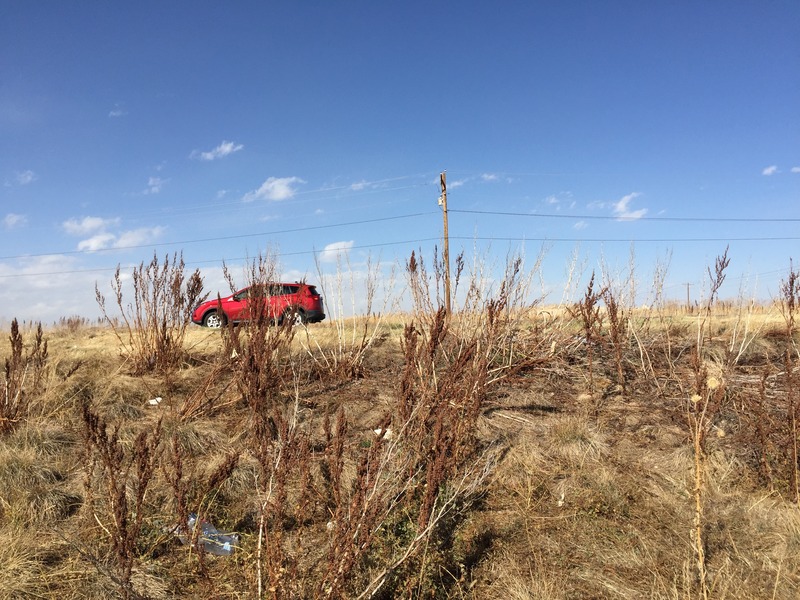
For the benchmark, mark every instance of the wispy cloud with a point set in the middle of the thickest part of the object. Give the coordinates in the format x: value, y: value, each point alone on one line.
x: 88, y: 225
x: 795, y: 169
x: 770, y: 170
x: 117, y: 112
x: 275, y: 189
x: 154, y: 185
x: 25, y: 177
x: 580, y: 225
x: 622, y: 210
x: 138, y: 237
x: 13, y: 220
x: 489, y: 177
x: 224, y: 149
x: 334, y: 251
x: 102, y: 237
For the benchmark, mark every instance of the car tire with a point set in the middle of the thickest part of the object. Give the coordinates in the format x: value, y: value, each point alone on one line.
x: 213, y: 320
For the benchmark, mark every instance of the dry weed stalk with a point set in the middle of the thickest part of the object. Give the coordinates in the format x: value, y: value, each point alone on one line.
x: 193, y: 497
x: 154, y: 323
x: 259, y: 356
x: 701, y: 408
x: 354, y: 335
x: 790, y: 301
x: 617, y: 321
x: 23, y: 376
x: 588, y: 312
x: 118, y: 473
x: 716, y: 278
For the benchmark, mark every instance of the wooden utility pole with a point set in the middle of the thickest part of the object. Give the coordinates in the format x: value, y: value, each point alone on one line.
x: 446, y: 256
x: 688, y: 301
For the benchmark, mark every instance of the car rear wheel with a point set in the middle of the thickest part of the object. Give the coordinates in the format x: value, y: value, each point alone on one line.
x: 213, y: 320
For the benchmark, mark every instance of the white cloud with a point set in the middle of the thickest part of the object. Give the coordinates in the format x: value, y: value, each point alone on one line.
x: 580, y: 225
x: 274, y: 188
x: 154, y: 185
x: 770, y: 170
x: 101, y: 241
x: 333, y: 251
x: 622, y: 211
x: 117, y: 112
x: 456, y: 184
x: 12, y: 220
x: 26, y: 177
x: 224, y: 149
x: 359, y: 185
x: 100, y: 238
x: 46, y: 288
x: 489, y: 177
x: 795, y: 169
x: 88, y: 225
x: 137, y: 237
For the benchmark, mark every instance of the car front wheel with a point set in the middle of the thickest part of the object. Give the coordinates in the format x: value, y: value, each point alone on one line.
x: 213, y: 320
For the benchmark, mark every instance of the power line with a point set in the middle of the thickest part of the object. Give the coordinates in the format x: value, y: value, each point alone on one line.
x: 216, y: 260
x: 219, y: 239
x: 627, y: 240
x: 414, y: 241
x: 619, y: 218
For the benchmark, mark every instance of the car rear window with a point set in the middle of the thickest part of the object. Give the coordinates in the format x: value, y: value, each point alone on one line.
x: 312, y: 290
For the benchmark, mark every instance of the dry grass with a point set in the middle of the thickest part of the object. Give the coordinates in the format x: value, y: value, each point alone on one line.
x: 509, y: 472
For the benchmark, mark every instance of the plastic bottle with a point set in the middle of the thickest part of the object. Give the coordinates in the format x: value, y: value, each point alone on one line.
x: 214, y: 541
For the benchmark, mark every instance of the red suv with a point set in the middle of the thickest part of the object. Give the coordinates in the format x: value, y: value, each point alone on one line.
x: 275, y: 301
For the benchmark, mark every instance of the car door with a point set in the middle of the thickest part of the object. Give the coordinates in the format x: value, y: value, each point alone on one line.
x: 236, y: 307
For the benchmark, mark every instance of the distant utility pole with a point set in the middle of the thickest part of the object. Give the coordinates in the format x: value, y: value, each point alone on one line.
x: 688, y: 301
x: 443, y: 204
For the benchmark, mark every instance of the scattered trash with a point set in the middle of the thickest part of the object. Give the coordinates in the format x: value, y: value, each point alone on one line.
x: 155, y: 401
x: 384, y: 434
x: 214, y: 541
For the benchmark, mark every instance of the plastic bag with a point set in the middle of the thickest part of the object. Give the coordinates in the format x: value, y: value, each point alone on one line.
x: 213, y: 541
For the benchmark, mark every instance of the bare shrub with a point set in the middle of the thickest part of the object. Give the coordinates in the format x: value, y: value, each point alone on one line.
x: 260, y: 359
x: 191, y: 495
x: 590, y: 317
x: 22, y: 376
x: 789, y: 301
x: 617, y: 321
x: 154, y: 323
x: 120, y: 476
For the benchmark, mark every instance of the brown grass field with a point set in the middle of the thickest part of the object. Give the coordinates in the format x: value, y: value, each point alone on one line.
x: 524, y: 452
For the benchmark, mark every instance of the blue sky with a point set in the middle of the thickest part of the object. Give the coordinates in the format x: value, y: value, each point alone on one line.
x: 312, y: 126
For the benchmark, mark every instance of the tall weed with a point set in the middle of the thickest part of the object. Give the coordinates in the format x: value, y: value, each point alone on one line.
x: 23, y: 377
x: 154, y: 323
